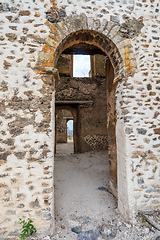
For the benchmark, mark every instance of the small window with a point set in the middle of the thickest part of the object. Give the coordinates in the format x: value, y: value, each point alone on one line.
x: 81, y: 66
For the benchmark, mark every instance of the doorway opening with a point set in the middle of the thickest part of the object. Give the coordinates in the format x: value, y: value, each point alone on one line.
x: 64, y: 132
x: 69, y: 130
x: 93, y: 100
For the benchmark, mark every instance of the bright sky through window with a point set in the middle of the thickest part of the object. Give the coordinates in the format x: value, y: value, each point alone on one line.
x: 81, y: 65
x: 70, y: 124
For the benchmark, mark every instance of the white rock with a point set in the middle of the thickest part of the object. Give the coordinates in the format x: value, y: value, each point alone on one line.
x: 47, y: 238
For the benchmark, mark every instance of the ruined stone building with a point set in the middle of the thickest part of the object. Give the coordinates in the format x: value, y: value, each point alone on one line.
x: 117, y: 106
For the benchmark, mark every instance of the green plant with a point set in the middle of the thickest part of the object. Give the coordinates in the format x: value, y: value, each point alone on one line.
x: 27, y: 228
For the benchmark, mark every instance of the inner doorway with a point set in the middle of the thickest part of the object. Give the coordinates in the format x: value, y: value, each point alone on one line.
x: 64, y: 132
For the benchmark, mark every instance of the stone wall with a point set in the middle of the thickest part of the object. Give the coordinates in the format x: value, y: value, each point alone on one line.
x: 89, y: 97
x: 26, y: 142
x: 31, y: 42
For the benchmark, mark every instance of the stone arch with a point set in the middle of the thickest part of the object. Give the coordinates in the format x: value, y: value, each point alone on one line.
x: 97, y: 39
x: 66, y: 107
x: 115, y: 72
x: 65, y: 27
x: 107, y: 37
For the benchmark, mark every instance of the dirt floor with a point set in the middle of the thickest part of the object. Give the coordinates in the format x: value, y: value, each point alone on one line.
x: 65, y: 148
x: 84, y: 209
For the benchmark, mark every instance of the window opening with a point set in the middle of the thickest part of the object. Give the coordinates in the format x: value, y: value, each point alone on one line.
x: 81, y: 66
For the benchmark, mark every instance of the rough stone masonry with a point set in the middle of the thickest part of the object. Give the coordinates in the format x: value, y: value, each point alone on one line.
x: 33, y: 34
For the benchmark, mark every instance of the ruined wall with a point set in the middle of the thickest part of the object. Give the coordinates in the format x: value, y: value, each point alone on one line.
x: 61, y: 125
x: 138, y: 22
x: 26, y: 153
x: 64, y: 65
x: 92, y: 116
x: 133, y: 26
x: 61, y: 128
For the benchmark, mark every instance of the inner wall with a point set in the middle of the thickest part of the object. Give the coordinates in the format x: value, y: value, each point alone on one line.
x: 87, y: 96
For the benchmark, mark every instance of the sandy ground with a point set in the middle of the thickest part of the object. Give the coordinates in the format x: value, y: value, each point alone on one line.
x: 82, y: 202
x: 65, y: 148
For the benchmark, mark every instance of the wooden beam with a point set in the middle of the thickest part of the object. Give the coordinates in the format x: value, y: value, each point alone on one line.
x: 84, y: 49
x: 73, y: 102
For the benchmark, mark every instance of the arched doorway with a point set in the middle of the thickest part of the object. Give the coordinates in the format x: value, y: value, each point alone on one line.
x: 94, y: 103
x: 64, y: 132
x: 94, y: 44
x: 118, y: 50
x: 70, y: 112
